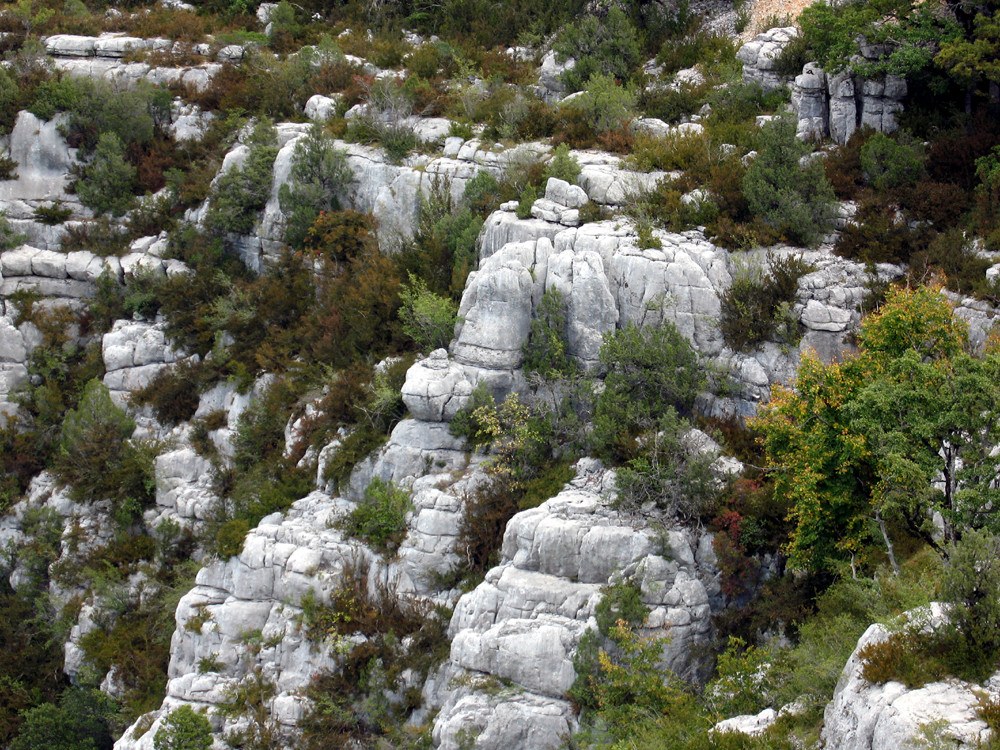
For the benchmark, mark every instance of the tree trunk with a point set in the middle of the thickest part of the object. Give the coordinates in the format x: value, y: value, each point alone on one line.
x: 888, y: 543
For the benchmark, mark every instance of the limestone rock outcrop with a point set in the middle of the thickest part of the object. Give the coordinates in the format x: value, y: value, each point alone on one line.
x: 760, y: 57
x: 826, y: 103
x: 520, y: 627
x: 865, y: 716
x: 135, y: 352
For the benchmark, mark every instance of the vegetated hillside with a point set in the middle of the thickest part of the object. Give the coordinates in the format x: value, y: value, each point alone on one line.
x: 498, y: 375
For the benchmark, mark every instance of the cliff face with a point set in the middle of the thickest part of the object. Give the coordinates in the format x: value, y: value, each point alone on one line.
x: 514, y: 636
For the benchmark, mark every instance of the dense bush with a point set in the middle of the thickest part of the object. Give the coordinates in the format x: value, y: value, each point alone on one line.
x: 757, y: 305
x: 605, y: 105
x: 8, y: 238
x: 797, y: 201
x: 242, y: 191
x: 428, y: 319
x: 562, y: 165
x: 97, y: 459
x: 317, y: 177
x: 80, y: 721
x: 667, y: 475
x: 605, y: 46
x: 106, y: 183
x: 970, y: 583
x: 890, y: 163
x: 184, y: 729
x: 649, y: 370
x: 380, y: 517
x: 546, y: 350
x: 686, y: 51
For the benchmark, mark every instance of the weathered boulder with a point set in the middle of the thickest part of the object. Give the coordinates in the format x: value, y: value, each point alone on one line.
x: 436, y: 388
x: 496, y: 310
x: 550, y: 86
x: 748, y: 724
x: 134, y: 353
x: 759, y: 57
x: 809, y: 98
x: 865, y: 716
x: 590, y: 305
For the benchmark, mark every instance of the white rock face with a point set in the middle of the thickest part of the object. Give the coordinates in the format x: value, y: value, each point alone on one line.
x: 390, y: 192
x: 135, y: 352
x: 521, y: 626
x: 435, y: 388
x: 759, y: 57
x: 321, y: 107
x: 43, y: 163
x: 184, y: 490
x: 863, y: 716
x: 810, y: 99
x: 748, y: 724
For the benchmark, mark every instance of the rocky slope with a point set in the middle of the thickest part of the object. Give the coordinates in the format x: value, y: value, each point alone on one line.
x: 520, y: 627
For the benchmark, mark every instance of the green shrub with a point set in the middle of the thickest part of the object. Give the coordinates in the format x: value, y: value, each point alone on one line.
x: 184, y: 729
x: 546, y: 350
x: 260, y: 429
x: 96, y: 108
x: 53, y: 214
x: 429, y: 319
x: 971, y: 583
x: 562, y: 165
x: 606, y: 46
x: 518, y: 437
x: 699, y: 48
x: 952, y: 254
x: 9, y: 95
x: 622, y: 601
x: 230, y: 536
x: 668, y: 474
x: 8, y: 169
x: 317, y: 177
x: 757, y: 305
x: 797, y: 201
x: 53, y: 96
x: 8, y: 239
x: 890, y: 163
x: 620, y: 679
x: 380, y: 517
x: 464, y: 424
x: 92, y: 445
x: 606, y: 105
x: 528, y: 197
x: 106, y: 183
x: 80, y: 722
x: 740, y: 103
x: 742, y: 684
x: 482, y: 193
x: 242, y: 191
x: 671, y: 104
x: 649, y: 369
x: 425, y: 61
